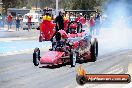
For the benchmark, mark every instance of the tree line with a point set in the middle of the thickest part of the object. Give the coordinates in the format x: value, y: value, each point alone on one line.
x: 65, y: 4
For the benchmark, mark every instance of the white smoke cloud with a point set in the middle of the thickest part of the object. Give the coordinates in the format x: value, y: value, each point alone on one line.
x: 117, y: 33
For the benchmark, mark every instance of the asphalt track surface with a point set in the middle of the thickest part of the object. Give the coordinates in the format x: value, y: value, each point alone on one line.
x: 12, y: 47
x: 18, y: 71
x: 4, y: 33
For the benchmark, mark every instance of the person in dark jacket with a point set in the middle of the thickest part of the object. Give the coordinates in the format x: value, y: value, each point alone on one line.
x: 17, y: 23
x: 59, y: 21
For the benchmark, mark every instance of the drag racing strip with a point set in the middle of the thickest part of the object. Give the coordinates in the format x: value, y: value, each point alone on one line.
x: 111, y: 61
x: 11, y: 39
x: 16, y: 39
x: 19, y: 71
x: 23, y: 46
x: 44, y: 48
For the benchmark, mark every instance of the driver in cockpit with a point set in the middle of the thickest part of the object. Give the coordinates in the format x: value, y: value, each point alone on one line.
x: 59, y: 39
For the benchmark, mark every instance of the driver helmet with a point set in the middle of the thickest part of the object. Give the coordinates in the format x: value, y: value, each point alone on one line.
x: 73, y: 27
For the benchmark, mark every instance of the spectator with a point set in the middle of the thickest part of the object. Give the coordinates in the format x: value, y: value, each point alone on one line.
x: 82, y: 20
x: 59, y: 22
x: 91, y: 22
x: 29, y: 22
x: 97, y: 23
x: 17, y: 23
x: 9, y: 21
x: 78, y: 17
x: 65, y: 22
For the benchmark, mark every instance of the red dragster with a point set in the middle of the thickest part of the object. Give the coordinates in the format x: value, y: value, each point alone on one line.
x: 71, y: 47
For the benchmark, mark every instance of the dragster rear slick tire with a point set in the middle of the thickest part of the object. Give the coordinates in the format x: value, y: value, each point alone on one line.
x: 36, y: 56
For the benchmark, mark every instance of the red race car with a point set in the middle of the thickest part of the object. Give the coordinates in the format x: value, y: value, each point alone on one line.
x: 71, y: 47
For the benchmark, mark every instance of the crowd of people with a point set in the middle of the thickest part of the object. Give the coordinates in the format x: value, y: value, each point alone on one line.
x: 61, y: 21
x: 95, y: 24
x: 9, y: 20
x: 94, y: 21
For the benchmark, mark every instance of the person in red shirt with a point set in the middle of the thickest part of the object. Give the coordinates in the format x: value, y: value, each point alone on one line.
x: 29, y: 22
x: 9, y: 21
x: 80, y: 19
x: 77, y: 18
x: 91, y: 23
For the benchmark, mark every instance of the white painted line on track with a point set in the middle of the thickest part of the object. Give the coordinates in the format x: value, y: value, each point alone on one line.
x: 45, y: 48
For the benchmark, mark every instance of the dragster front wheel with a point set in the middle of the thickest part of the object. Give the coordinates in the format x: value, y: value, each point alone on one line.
x: 36, y: 56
